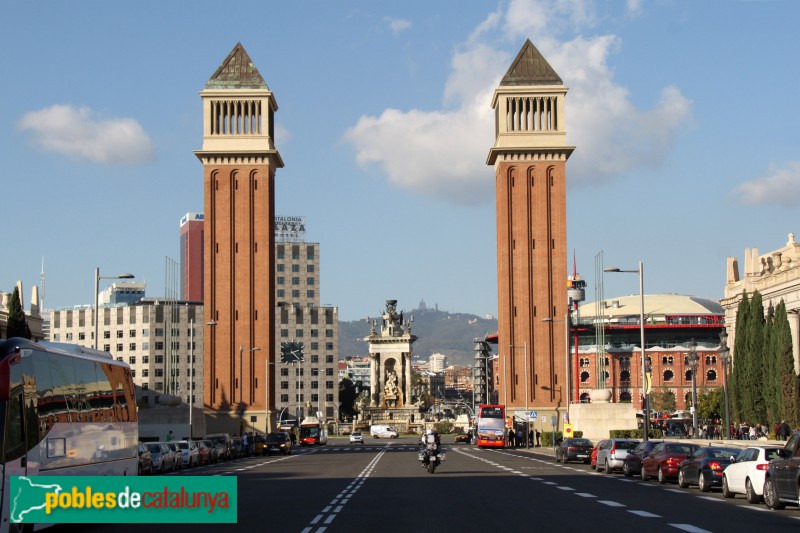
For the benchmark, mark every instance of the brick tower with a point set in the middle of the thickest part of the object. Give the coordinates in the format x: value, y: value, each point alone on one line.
x: 529, y: 158
x: 239, y: 163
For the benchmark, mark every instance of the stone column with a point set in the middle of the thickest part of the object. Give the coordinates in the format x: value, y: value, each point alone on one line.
x: 407, y: 387
x: 373, y: 380
x: 794, y: 327
x: 381, y: 383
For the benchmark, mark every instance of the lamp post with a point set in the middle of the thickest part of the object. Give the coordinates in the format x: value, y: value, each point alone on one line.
x: 725, y: 355
x: 566, y: 322
x: 527, y: 413
x: 191, y: 373
x: 97, y: 279
x: 241, y: 385
x: 693, y: 360
x: 645, y: 402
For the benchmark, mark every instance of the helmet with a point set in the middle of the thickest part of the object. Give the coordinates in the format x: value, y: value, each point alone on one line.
x: 429, y: 432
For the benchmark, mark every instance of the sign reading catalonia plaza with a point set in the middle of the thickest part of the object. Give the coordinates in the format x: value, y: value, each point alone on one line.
x: 290, y: 229
x: 123, y: 499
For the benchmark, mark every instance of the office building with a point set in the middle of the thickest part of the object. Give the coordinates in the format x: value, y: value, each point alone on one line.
x: 192, y: 257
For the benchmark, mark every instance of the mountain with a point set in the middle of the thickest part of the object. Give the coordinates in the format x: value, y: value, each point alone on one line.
x: 451, y: 334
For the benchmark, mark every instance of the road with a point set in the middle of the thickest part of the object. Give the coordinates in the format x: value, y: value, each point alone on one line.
x: 379, y: 486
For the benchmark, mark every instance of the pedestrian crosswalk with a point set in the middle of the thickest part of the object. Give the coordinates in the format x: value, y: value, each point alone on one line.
x: 366, y: 448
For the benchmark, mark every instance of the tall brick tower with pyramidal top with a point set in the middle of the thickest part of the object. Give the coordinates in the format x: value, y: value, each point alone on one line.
x: 239, y: 163
x: 529, y: 157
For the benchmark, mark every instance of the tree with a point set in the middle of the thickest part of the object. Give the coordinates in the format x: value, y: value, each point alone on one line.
x: 756, y: 412
x: 347, y: 395
x: 17, y: 326
x: 736, y: 388
x: 663, y: 401
x: 784, y: 377
x: 710, y: 403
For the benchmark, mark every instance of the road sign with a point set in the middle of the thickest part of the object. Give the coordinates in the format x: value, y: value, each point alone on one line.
x: 533, y: 414
x: 568, y: 430
x: 544, y: 419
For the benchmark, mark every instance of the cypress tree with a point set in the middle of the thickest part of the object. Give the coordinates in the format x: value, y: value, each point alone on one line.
x: 785, y: 380
x: 17, y: 326
x: 735, y: 389
x: 770, y: 369
x: 755, y: 409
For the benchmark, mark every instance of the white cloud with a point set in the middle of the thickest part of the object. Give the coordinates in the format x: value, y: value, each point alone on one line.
x: 80, y: 134
x: 781, y: 186
x: 442, y: 153
x: 397, y: 26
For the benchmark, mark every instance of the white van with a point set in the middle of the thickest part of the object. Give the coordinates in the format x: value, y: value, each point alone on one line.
x: 383, y: 432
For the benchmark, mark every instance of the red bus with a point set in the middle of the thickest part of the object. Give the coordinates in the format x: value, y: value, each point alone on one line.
x: 491, y: 426
x: 313, y: 432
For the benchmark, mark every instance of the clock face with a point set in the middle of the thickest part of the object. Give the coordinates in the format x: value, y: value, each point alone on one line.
x: 291, y: 352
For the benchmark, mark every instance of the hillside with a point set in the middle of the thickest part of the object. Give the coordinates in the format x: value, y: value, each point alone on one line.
x: 451, y: 334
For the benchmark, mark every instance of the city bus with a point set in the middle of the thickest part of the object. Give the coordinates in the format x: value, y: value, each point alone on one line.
x: 491, y: 426
x: 312, y: 432
x: 64, y: 410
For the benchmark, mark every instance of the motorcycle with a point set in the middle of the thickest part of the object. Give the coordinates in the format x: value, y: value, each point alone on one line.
x: 430, y: 457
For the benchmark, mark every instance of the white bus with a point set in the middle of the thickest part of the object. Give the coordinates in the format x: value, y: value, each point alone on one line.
x: 64, y: 410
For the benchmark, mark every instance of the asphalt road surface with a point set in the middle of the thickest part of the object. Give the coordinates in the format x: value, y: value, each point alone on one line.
x: 380, y: 486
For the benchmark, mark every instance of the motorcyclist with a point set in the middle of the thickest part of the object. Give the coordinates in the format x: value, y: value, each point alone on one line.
x: 429, y: 445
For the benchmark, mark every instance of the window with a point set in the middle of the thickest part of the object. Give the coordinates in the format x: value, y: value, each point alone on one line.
x: 711, y: 375
x: 298, y: 332
x: 668, y: 375
x: 119, y: 346
x: 132, y: 333
x: 106, y: 334
x: 329, y: 358
x: 329, y: 333
x: 584, y: 377
x: 159, y: 345
x: 314, y: 346
x: 133, y: 373
x: 284, y: 398
x: 159, y: 360
x: 315, y: 397
x: 279, y: 252
x: 329, y: 384
x: 145, y: 373
x: 132, y: 360
x: 280, y: 280
x: 81, y: 336
x: 119, y: 333
x: 295, y: 268
x: 159, y: 372
x: 284, y: 385
x: 328, y: 371
x: 132, y: 347
x: 314, y: 358
x: 106, y: 347
x: 329, y: 397
x: 145, y: 333
x: 145, y: 359
x: 159, y: 385
x: 296, y: 280
x: 309, y: 268
x: 284, y: 371
x: 284, y: 333
x: 315, y: 384
x: 315, y: 371
x: 281, y: 293
x: 310, y: 293
x: 315, y: 333
x: 295, y: 293
x: 159, y: 332
x: 145, y: 386
x: 309, y: 281
x: 280, y: 267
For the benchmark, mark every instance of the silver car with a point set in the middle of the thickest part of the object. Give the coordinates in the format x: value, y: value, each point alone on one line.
x: 611, y: 456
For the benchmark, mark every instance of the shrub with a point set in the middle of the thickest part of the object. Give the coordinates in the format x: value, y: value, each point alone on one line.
x: 443, y: 427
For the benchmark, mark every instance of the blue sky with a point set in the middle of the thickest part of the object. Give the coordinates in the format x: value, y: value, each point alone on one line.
x: 684, y: 117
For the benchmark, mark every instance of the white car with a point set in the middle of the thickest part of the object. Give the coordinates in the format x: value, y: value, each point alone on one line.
x: 356, y: 437
x: 190, y: 455
x: 746, y: 475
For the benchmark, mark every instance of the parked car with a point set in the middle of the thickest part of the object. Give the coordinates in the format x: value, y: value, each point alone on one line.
x: 705, y: 466
x: 574, y: 449
x: 203, y: 453
x: 663, y: 462
x: 633, y: 461
x: 595, y: 451
x: 462, y: 437
x: 613, y: 453
x: 163, y: 458
x: 213, y: 451
x: 145, y: 460
x: 176, y: 452
x: 783, y: 476
x: 237, y: 447
x: 222, y: 442
x: 746, y: 474
x: 278, y: 442
x: 188, y: 453
x: 356, y: 437
x: 259, y: 444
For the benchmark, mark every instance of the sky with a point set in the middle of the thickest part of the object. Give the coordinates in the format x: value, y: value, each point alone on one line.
x: 683, y: 114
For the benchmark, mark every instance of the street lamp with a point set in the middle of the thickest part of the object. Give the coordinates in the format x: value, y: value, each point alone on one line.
x: 693, y: 360
x: 645, y: 402
x: 725, y: 355
x: 97, y: 279
x: 241, y: 385
x: 566, y: 322
x: 527, y: 413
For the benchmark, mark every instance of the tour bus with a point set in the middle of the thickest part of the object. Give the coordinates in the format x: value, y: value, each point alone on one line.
x: 65, y: 410
x: 491, y: 426
x: 312, y: 432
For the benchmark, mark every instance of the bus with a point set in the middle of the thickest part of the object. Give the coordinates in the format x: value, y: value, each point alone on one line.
x: 312, y: 432
x: 64, y: 410
x: 491, y: 426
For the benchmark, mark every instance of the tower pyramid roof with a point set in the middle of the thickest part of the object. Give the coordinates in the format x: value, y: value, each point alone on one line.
x: 530, y: 68
x: 237, y: 72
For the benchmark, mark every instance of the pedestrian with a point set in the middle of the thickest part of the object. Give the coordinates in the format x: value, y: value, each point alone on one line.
x: 245, y: 445
x: 530, y: 437
x: 169, y: 435
x: 511, y: 437
x: 519, y: 438
x: 784, y: 430
x: 538, y: 434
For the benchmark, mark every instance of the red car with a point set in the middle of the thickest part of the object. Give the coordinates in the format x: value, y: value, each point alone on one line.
x: 665, y: 459
x: 594, y: 452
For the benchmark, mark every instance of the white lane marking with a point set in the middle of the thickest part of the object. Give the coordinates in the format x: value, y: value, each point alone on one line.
x: 709, y: 498
x: 644, y: 514
x: 611, y: 503
x: 690, y: 528
x: 565, y: 488
x: 585, y: 495
x: 676, y: 491
x: 549, y: 483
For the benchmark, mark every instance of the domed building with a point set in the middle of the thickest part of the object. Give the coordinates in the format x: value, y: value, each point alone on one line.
x: 608, y: 353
